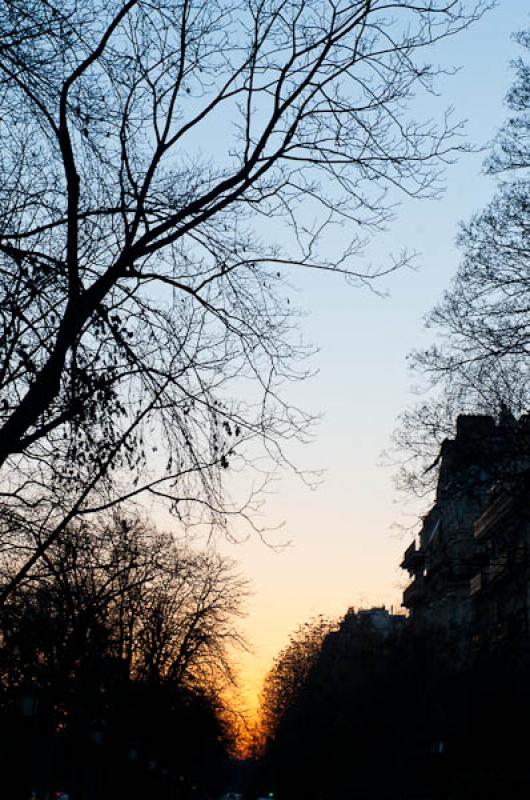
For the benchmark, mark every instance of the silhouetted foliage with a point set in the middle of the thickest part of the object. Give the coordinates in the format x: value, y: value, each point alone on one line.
x: 289, y: 673
x: 329, y: 731
x: 144, y: 337
x: 402, y: 714
x: 120, y: 645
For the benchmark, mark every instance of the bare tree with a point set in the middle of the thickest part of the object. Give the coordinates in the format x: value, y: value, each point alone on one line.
x: 186, y: 628
x: 150, y: 152
x: 123, y: 637
x: 481, y: 359
x: 120, y: 593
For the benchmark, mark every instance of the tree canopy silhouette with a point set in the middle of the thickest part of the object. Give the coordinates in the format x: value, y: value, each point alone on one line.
x: 150, y: 152
x: 481, y: 359
x: 123, y: 639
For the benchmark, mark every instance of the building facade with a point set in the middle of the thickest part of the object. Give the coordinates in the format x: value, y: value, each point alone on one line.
x: 469, y: 571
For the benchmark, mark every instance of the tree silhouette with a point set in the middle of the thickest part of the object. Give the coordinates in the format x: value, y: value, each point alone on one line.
x: 123, y: 639
x: 150, y: 151
x: 481, y: 360
x: 399, y: 713
x: 288, y: 676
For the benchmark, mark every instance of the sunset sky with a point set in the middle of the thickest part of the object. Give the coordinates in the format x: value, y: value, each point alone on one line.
x: 249, y: 249
x: 344, y: 551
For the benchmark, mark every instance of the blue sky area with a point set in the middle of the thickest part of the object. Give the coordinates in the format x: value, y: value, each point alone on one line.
x: 344, y: 551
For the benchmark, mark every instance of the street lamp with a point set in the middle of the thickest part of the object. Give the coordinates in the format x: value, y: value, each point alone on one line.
x: 27, y: 705
x: 97, y: 737
x: 132, y: 752
x: 27, y: 701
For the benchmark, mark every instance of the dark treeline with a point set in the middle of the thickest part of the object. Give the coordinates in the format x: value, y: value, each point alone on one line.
x: 384, y: 712
x: 111, y: 664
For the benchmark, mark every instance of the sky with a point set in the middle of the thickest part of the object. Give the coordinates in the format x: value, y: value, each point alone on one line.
x: 344, y: 548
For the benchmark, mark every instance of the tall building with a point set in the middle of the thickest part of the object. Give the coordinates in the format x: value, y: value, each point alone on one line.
x: 469, y: 573
x: 500, y: 588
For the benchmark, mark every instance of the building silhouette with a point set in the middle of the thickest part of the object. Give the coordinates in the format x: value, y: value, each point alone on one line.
x: 470, y: 574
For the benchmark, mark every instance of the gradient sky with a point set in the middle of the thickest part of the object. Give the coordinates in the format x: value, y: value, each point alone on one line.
x: 344, y: 551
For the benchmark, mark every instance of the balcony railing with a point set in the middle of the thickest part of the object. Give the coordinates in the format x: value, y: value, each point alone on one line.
x: 498, y: 567
x: 412, y: 559
x: 494, y: 515
x: 414, y: 593
x: 476, y: 584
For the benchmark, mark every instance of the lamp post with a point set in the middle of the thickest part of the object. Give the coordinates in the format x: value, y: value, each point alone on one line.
x: 27, y: 704
x: 97, y: 737
x: 133, y: 753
